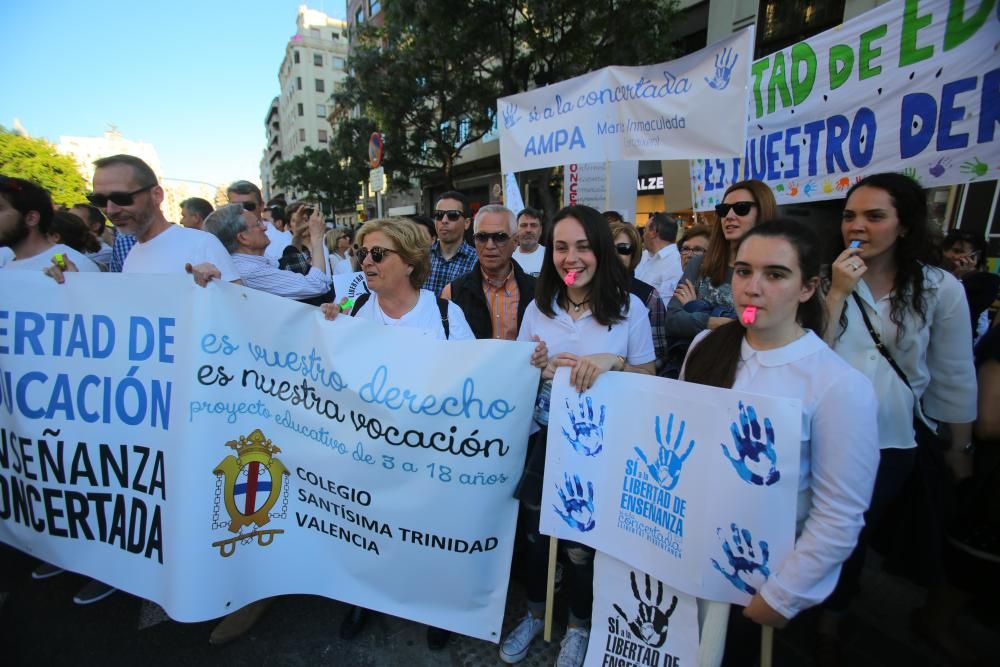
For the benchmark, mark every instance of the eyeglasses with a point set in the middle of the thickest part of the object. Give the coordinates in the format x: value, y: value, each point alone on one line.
x: 740, y: 207
x: 453, y: 214
x: 693, y: 250
x: 499, y: 238
x: 117, y: 198
x: 249, y: 206
x: 377, y: 253
x: 624, y: 248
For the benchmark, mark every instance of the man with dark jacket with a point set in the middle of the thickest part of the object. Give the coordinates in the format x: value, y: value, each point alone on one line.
x: 495, y: 293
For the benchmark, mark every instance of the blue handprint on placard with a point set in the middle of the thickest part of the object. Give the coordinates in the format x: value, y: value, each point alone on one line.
x: 749, y: 572
x: 510, y: 116
x: 666, y: 470
x: 749, y: 462
x: 588, y: 436
x: 724, y: 63
x: 577, y: 510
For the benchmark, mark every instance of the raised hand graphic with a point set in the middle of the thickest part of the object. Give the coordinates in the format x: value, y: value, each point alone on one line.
x: 725, y: 60
x: 745, y: 568
x: 577, y: 510
x: 666, y: 470
x: 755, y: 461
x: 649, y: 625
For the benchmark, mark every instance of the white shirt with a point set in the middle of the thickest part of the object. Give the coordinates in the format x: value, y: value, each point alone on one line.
x: 839, y: 456
x: 262, y: 273
x: 530, y: 262
x: 424, y: 317
x: 662, y: 271
x: 631, y: 338
x: 6, y: 255
x: 102, y: 256
x: 936, y: 357
x: 43, y: 260
x: 279, y: 241
x: 171, y: 249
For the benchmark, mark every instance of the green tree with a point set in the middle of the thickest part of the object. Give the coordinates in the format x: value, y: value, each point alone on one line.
x: 429, y: 77
x: 37, y: 160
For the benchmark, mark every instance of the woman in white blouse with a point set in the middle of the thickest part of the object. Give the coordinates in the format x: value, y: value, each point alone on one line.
x: 776, y: 271
x: 921, y: 317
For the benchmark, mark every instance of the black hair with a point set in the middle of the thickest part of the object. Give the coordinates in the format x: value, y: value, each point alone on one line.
x: 245, y: 188
x: 613, y: 216
x: 198, y: 205
x: 455, y: 194
x: 426, y: 223
x: 278, y: 213
x: 609, y: 294
x: 715, y: 359
x: 531, y: 213
x: 912, y: 250
x: 73, y: 232
x: 94, y: 215
x: 26, y: 196
x: 977, y: 241
x: 664, y: 225
x: 142, y: 173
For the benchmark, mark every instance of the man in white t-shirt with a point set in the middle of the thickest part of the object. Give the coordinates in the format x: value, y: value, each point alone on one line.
x: 529, y: 253
x: 25, y: 215
x: 663, y: 268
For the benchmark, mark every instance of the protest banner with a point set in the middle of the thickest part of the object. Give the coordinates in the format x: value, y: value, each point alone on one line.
x: 639, y: 621
x: 225, y: 445
x: 350, y: 285
x: 682, y: 481
x: 681, y: 109
x: 602, y: 185
x: 910, y: 86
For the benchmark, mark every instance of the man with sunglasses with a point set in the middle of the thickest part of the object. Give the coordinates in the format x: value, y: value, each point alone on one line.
x: 663, y: 268
x: 451, y: 256
x: 529, y: 253
x: 496, y: 292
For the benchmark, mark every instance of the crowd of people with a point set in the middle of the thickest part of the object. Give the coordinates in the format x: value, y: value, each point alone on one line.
x: 876, y: 340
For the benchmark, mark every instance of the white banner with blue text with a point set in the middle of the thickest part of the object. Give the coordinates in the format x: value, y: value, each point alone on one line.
x: 693, y: 484
x: 910, y: 86
x: 206, y: 448
x: 686, y: 108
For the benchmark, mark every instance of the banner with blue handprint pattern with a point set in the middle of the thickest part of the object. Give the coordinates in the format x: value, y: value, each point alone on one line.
x: 695, y: 485
x: 912, y: 87
x: 678, y: 110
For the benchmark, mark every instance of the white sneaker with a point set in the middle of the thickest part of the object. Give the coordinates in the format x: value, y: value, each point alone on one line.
x: 573, y: 649
x: 515, y: 647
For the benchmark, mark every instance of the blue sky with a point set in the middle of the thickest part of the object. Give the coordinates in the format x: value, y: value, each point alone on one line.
x: 192, y: 77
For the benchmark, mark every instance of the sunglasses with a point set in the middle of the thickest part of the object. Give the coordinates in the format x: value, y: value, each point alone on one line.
x: 623, y: 248
x: 453, y: 214
x: 740, y: 207
x: 249, y: 206
x: 499, y: 238
x: 116, y: 198
x: 377, y: 253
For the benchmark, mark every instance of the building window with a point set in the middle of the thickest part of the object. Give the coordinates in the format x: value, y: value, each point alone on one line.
x: 335, y: 35
x: 322, y: 136
x: 318, y: 59
x: 320, y: 86
x: 321, y: 111
x: 338, y: 63
x: 295, y: 57
x: 374, y: 7
x: 302, y: 134
x: 359, y: 16
x: 298, y: 83
x: 301, y: 109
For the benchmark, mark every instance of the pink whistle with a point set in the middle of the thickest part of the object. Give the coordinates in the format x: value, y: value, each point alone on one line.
x: 570, y: 278
x: 749, y: 315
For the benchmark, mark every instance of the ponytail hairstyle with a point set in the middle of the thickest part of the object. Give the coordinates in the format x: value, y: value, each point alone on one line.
x: 715, y: 359
x: 912, y: 250
x: 609, y: 294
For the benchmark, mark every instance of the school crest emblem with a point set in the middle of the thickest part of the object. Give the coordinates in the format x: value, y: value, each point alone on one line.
x: 249, y: 486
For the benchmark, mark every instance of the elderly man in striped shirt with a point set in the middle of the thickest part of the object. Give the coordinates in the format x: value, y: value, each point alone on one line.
x: 244, y: 235
x: 494, y: 294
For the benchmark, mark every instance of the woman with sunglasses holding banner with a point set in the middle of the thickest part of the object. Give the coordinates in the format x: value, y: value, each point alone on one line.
x: 628, y: 246
x: 585, y: 315
x: 708, y: 278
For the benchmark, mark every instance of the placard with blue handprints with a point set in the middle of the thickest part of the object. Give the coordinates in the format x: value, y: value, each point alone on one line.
x: 695, y: 485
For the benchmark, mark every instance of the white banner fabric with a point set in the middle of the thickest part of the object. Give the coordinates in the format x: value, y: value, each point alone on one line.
x: 911, y: 86
x: 695, y: 485
x: 639, y: 621
x: 221, y: 445
x: 679, y: 110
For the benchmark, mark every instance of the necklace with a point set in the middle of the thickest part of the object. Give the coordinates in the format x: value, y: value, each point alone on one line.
x: 577, y: 306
